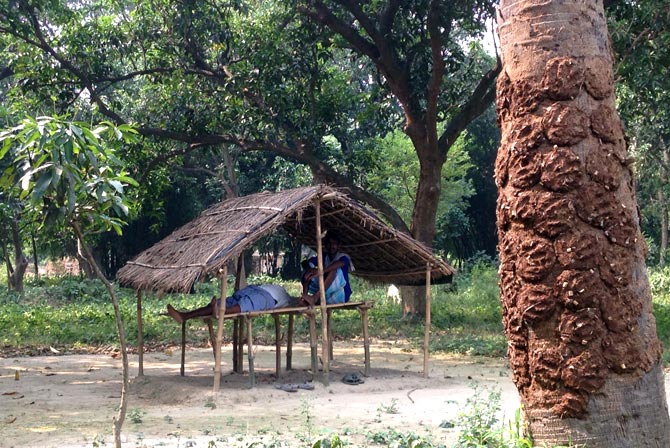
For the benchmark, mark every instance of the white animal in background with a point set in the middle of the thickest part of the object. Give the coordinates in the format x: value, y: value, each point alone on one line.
x: 393, y: 293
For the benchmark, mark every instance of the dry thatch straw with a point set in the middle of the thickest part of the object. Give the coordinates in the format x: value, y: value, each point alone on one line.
x: 200, y: 248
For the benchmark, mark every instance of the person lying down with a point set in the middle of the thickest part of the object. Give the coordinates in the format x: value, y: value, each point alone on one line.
x: 251, y: 298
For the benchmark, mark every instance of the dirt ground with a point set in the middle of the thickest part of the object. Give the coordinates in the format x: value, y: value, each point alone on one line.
x: 70, y: 400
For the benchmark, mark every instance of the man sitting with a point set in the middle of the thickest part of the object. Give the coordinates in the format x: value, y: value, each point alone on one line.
x: 250, y: 298
x: 336, y: 267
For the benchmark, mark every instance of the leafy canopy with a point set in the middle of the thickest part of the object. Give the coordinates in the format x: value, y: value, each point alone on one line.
x: 69, y: 172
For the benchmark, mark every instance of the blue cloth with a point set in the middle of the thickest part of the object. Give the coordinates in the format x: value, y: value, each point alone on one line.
x: 335, y: 293
x: 251, y: 298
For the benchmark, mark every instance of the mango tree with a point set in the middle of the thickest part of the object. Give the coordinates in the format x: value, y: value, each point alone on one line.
x: 70, y: 173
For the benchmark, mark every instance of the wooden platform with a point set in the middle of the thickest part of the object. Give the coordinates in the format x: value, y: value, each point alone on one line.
x: 306, y: 311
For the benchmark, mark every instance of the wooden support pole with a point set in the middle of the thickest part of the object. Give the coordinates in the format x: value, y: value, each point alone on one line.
x: 219, y: 330
x: 240, y: 346
x: 140, y: 338
x: 183, y: 348
x: 212, y: 336
x: 277, y: 345
x: 330, y: 334
x: 236, y: 337
x: 363, y: 309
x: 426, y: 337
x: 289, y: 342
x: 250, y: 351
x: 322, y: 293
x: 311, y: 315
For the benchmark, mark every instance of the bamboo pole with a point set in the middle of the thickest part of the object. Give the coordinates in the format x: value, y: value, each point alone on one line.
x: 236, y: 338
x: 325, y: 350
x: 250, y: 351
x: 219, y: 331
x: 289, y: 342
x: 426, y: 338
x: 277, y: 345
x: 140, y: 339
x: 331, y: 339
x: 240, y: 345
x: 311, y: 315
x: 363, y: 309
x: 183, y: 349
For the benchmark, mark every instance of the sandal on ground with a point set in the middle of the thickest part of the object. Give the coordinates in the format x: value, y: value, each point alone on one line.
x: 287, y: 387
x: 352, y: 379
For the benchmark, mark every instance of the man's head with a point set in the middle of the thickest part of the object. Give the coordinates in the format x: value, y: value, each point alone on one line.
x: 332, y: 242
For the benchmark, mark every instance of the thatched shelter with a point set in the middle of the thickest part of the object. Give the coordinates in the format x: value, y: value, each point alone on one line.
x: 203, y: 247
x: 221, y: 233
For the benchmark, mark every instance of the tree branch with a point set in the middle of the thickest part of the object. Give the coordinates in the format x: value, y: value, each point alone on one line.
x: 479, y: 101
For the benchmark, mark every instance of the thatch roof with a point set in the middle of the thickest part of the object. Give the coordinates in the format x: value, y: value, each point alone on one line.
x: 200, y: 248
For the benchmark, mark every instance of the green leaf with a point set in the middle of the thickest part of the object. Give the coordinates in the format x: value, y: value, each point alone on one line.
x: 6, y: 144
x: 41, y: 185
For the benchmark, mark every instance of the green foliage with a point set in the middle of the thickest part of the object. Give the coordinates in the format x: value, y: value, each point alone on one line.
x: 659, y: 281
x: 396, y: 439
x: 135, y: 415
x: 68, y: 171
x: 481, y: 425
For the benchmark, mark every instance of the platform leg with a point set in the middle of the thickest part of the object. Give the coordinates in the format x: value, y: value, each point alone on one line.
x: 183, y: 347
x: 250, y: 354
x: 277, y: 345
x: 366, y: 338
x: 289, y: 342
x: 330, y: 334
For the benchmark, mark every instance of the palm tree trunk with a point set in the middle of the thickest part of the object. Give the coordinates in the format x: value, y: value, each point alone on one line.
x: 574, y: 288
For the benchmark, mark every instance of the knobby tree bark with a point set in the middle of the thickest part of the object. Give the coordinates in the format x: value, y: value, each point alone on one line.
x: 574, y: 287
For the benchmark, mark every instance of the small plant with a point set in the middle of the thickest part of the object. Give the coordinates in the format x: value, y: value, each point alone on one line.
x: 396, y: 439
x: 391, y: 408
x: 98, y: 441
x: 210, y: 404
x: 334, y: 441
x: 306, y: 412
x: 479, y: 422
x: 135, y: 415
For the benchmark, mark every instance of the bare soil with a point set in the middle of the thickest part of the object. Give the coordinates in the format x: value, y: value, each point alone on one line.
x: 70, y: 400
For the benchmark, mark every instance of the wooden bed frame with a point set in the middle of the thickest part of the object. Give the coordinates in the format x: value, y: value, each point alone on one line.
x: 291, y: 312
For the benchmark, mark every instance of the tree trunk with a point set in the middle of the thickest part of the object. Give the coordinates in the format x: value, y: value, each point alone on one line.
x: 20, y: 260
x: 121, y: 415
x: 84, y: 265
x: 574, y: 288
x: 424, y: 217
x: 35, y: 258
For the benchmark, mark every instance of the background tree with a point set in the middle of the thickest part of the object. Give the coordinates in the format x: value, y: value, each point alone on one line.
x: 574, y: 288
x: 261, y: 77
x: 641, y: 39
x: 70, y: 174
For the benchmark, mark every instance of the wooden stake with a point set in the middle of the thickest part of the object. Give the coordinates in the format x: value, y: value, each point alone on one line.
x: 183, y: 348
x: 277, y: 345
x: 140, y: 339
x: 250, y: 351
x: 426, y: 338
x: 311, y: 315
x: 219, y: 331
x: 363, y: 309
x: 322, y: 293
x: 289, y: 342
